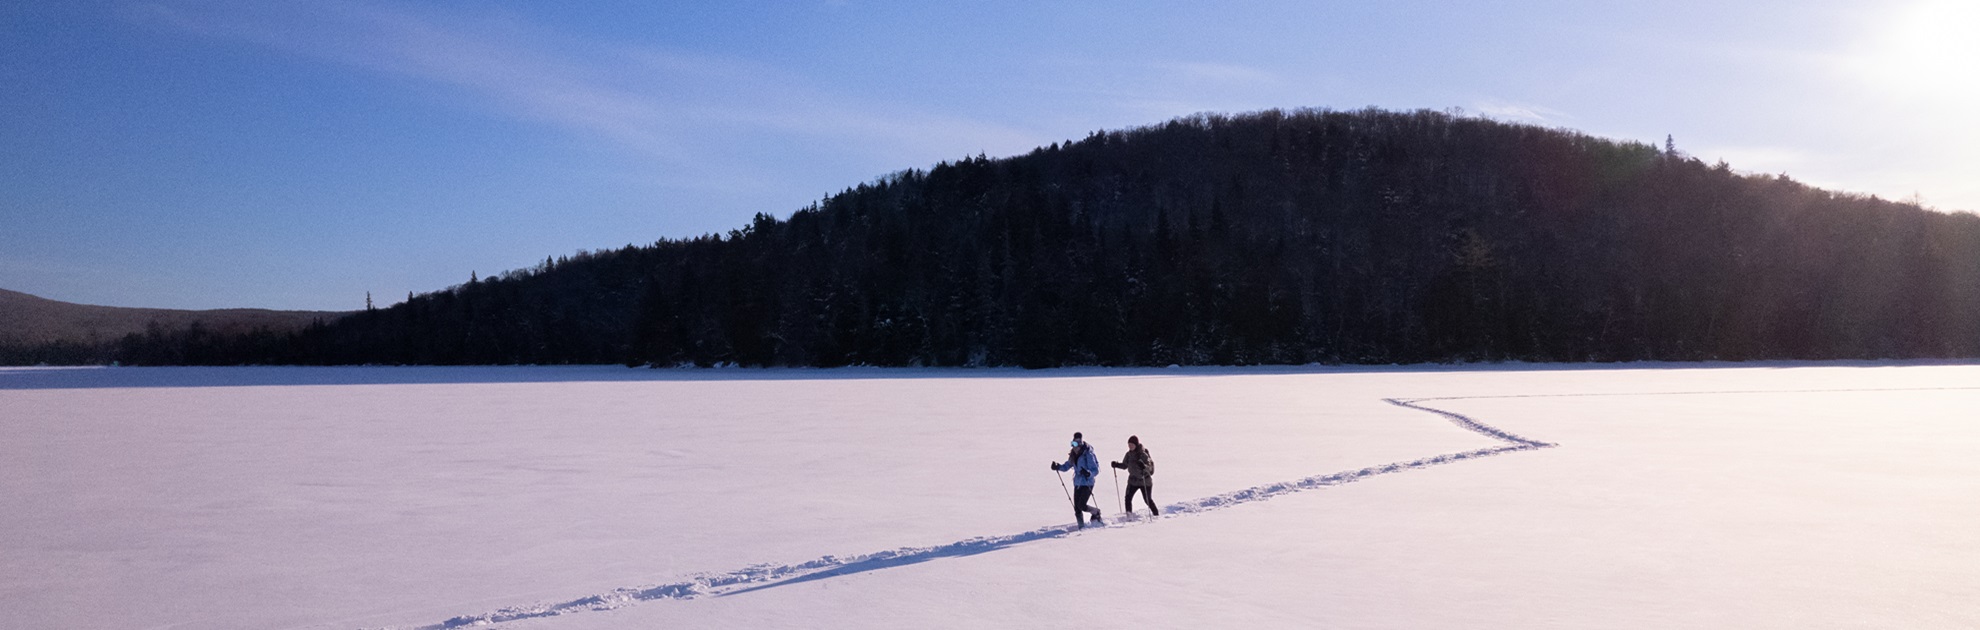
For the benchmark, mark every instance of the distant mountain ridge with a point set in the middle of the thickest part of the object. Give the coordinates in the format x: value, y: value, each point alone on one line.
x: 31, y: 320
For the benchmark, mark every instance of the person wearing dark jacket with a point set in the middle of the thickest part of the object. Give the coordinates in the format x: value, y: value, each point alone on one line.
x: 1141, y: 475
x: 1085, y: 467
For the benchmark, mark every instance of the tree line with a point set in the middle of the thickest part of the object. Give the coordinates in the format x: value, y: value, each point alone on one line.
x: 1277, y: 237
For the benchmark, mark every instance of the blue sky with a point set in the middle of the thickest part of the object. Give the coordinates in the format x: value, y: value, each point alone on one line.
x: 212, y: 153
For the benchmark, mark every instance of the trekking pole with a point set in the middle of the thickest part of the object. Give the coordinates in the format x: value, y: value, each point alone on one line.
x: 1062, y: 487
x: 1117, y: 490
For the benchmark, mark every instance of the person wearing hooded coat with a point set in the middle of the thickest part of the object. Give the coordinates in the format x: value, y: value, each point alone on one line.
x: 1141, y: 475
x: 1086, y: 467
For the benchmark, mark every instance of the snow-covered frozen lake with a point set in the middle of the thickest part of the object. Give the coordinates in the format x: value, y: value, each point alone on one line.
x: 1842, y: 495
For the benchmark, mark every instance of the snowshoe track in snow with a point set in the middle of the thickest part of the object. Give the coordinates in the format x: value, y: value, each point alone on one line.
x: 762, y: 576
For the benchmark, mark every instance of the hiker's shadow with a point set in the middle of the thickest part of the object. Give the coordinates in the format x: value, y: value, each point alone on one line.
x: 904, y: 557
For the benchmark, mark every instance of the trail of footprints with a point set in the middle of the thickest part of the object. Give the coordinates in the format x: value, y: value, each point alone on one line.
x: 763, y: 576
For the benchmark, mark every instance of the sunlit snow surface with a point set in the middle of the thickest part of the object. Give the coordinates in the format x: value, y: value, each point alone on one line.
x: 1734, y: 496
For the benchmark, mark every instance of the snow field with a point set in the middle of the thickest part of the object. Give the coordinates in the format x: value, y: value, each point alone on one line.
x: 1760, y: 509
x: 409, y: 497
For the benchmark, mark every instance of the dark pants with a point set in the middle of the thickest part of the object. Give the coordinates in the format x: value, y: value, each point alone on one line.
x: 1081, y: 495
x: 1146, y: 497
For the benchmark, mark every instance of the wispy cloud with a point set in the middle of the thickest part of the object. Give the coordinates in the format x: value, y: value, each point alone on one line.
x: 659, y: 102
x: 1205, y: 72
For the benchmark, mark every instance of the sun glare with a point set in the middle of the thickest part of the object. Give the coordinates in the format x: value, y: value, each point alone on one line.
x: 1929, y: 50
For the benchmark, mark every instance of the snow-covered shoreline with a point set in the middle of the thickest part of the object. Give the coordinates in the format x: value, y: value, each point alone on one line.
x: 106, y: 377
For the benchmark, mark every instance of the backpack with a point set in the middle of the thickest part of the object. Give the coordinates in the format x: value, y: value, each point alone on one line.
x: 1148, y: 461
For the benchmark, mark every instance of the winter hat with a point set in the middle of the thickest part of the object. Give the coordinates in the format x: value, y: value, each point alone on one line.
x: 1134, y: 440
x: 1076, y: 435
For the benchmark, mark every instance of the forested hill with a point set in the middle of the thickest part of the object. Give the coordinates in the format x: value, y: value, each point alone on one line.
x: 39, y: 330
x: 1273, y: 237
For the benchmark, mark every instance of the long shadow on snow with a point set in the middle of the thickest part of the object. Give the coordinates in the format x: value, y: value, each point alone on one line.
x: 757, y: 577
x: 904, y: 557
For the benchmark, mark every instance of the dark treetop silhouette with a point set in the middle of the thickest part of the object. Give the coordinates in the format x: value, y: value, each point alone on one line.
x: 1271, y: 237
